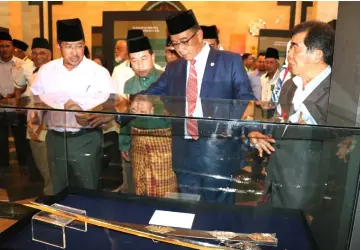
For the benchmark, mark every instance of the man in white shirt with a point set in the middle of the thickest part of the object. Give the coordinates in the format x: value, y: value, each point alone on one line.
x: 36, y: 127
x: 73, y: 82
x: 120, y: 52
x: 269, y: 80
x: 123, y: 72
x: 10, y: 75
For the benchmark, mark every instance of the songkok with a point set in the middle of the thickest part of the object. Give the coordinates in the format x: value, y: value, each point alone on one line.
x: 5, y: 36
x: 40, y: 43
x: 210, y: 32
x: 20, y: 45
x: 138, y: 44
x: 70, y: 30
x: 272, y: 53
x: 180, y: 22
x: 134, y: 33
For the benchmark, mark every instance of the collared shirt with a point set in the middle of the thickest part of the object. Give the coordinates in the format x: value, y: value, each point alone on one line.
x: 26, y: 60
x: 123, y: 73
x: 268, y: 86
x: 88, y: 85
x: 27, y: 78
x: 200, y: 65
x: 301, y: 95
x: 11, y: 73
x: 137, y: 83
x: 247, y: 69
x: 255, y: 78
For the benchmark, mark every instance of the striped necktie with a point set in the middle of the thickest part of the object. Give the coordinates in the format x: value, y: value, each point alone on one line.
x: 192, y: 95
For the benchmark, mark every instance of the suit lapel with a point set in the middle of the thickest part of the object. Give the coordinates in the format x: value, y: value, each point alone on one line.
x: 210, y: 70
x: 317, y: 102
x: 180, y: 82
x: 320, y: 90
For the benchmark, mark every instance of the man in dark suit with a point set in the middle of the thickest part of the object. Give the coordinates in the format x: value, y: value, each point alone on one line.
x: 304, y: 99
x: 203, y: 162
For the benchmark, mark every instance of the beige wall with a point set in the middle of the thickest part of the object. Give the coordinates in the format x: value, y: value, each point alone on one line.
x: 22, y: 20
x: 232, y: 18
x: 4, y: 14
x: 325, y: 10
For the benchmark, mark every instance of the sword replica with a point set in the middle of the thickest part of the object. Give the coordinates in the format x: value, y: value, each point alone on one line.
x: 170, y: 235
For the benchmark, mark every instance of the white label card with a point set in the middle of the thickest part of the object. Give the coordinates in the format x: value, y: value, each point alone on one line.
x: 172, y: 219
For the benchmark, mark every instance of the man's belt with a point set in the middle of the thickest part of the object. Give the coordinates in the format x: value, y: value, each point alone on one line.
x: 76, y: 133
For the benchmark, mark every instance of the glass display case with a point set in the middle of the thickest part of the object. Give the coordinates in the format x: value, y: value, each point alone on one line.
x: 241, y: 169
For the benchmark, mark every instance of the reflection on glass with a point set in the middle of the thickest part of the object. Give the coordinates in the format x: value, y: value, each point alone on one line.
x: 312, y: 167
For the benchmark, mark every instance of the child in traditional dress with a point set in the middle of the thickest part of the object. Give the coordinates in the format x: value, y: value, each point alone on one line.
x: 151, y: 148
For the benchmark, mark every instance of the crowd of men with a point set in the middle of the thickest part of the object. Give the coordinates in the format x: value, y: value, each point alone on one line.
x: 163, y: 156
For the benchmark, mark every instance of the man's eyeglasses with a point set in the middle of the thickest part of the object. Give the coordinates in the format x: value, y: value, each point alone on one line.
x: 69, y: 47
x: 183, y: 43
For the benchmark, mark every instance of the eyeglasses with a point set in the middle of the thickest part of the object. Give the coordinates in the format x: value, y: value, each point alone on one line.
x: 69, y: 47
x: 183, y: 43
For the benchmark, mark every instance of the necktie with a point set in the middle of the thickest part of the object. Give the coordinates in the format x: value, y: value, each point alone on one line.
x: 36, y: 70
x: 277, y: 90
x: 192, y: 95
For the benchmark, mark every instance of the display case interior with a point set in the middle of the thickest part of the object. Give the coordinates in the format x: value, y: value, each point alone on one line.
x: 243, y: 168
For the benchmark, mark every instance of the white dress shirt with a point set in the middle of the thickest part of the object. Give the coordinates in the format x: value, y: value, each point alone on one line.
x: 200, y: 65
x: 11, y: 73
x: 301, y: 95
x: 122, y: 73
x: 88, y: 85
x: 27, y: 79
x: 268, y: 85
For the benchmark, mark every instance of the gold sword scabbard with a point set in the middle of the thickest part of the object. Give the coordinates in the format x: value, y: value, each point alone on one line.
x: 176, y: 236
x: 117, y: 227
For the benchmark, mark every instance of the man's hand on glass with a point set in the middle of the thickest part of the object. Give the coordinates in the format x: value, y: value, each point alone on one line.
x: 261, y: 142
x: 345, y: 147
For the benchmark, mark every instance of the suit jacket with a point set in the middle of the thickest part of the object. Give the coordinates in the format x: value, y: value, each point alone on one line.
x: 305, y: 155
x: 316, y: 102
x: 224, y: 78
